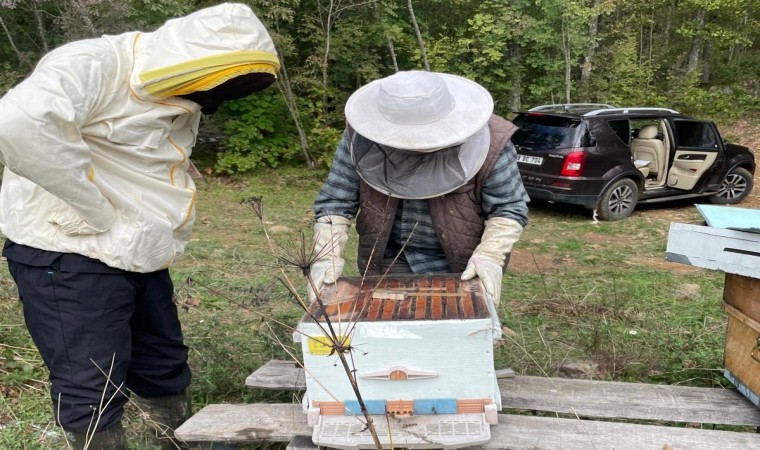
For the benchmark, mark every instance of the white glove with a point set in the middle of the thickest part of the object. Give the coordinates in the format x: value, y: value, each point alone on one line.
x: 489, y: 272
x: 487, y: 262
x: 330, y: 238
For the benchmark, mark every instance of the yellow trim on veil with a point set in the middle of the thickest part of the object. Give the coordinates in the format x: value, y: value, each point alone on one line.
x: 206, y: 73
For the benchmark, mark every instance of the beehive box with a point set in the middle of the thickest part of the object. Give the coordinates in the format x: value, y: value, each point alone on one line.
x: 737, y: 253
x: 422, y: 352
x: 742, y: 358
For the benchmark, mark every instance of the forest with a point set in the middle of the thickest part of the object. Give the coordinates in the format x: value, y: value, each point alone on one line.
x: 696, y: 56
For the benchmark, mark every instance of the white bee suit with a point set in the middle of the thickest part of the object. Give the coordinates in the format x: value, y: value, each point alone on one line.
x: 96, y: 142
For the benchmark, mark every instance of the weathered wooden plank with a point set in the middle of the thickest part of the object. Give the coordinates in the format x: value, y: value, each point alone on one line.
x: 255, y: 422
x: 611, y: 399
x: 277, y: 375
x: 528, y: 432
x: 282, y: 422
x: 586, y: 398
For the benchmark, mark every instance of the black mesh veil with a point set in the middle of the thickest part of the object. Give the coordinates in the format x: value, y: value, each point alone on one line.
x: 416, y: 174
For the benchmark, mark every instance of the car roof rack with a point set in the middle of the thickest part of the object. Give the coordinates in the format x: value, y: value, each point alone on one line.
x: 597, y: 112
x: 570, y: 106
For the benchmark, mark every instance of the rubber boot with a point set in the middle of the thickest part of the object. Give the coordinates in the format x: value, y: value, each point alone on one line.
x: 110, y: 439
x: 164, y: 415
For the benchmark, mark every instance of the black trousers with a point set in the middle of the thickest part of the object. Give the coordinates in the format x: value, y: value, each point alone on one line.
x: 102, y: 333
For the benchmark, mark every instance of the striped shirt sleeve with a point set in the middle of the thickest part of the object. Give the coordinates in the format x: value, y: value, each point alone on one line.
x: 503, y: 192
x: 339, y: 194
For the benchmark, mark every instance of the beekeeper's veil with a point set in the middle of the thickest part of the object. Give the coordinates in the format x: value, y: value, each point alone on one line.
x: 418, y: 134
x: 201, y: 51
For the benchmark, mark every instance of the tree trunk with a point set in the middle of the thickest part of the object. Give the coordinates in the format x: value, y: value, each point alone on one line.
x: 514, y: 100
x: 588, y: 58
x: 41, y: 29
x: 283, y: 82
x: 651, y: 40
x: 666, y: 32
x: 696, y: 43
x: 568, y: 61
x: 326, y: 58
x: 706, y: 57
x: 19, y: 55
x: 419, y: 36
x: 388, y: 38
x: 734, y: 51
x: 392, y: 51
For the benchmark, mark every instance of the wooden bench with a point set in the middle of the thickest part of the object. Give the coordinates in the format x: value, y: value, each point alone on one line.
x: 546, y: 413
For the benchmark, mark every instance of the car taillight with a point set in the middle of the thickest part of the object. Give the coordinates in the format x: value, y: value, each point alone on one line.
x: 574, y: 164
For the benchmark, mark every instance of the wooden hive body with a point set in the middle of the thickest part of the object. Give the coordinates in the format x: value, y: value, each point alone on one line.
x: 741, y: 296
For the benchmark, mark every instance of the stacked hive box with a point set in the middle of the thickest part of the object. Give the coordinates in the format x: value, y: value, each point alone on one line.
x: 742, y: 358
x: 737, y: 253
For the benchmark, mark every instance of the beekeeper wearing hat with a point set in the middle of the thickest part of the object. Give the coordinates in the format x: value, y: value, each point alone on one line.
x: 96, y: 203
x: 430, y: 176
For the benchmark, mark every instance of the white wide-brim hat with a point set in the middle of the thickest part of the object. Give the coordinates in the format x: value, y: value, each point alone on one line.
x: 418, y: 135
x: 420, y: 111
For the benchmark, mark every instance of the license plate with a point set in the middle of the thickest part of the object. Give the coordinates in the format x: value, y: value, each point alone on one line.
x: 535, y: 160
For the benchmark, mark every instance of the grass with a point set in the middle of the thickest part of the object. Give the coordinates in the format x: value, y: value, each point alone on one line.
x: 599, y: 293
x: 604, y: 294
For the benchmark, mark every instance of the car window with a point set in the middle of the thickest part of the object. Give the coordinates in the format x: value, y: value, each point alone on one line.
x: 692, y: 133
x: 637, y: 124
x: 622, y: 129
x: 545, y: 132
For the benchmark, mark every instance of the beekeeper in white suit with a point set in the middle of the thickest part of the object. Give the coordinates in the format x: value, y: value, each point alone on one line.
x: 96, y: 204
x: 430, y: 175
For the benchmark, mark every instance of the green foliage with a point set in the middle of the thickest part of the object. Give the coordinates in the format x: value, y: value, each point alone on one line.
x: 480, y: 49
x: 623, y: 79
x: 324, y: 141
x: 149, y: 14
x: 260, y: 133
x: 9, y: 76
x: 357, y: 54
x: 689, y: 96
x: 522, y: 52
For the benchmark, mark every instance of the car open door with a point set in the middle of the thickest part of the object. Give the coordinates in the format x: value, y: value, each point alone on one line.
x: 697, y: 148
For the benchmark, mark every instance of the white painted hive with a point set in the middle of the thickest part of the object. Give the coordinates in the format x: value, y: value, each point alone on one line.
x: 422, y: 346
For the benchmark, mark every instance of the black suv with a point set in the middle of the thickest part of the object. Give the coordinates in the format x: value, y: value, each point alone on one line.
x: 611, y: 159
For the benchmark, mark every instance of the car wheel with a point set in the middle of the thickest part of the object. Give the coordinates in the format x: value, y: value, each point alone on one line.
x: 618, y: 200
x: 735, y: 187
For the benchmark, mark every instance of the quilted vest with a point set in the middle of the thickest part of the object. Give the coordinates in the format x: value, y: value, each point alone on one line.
x: 458, y: 218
